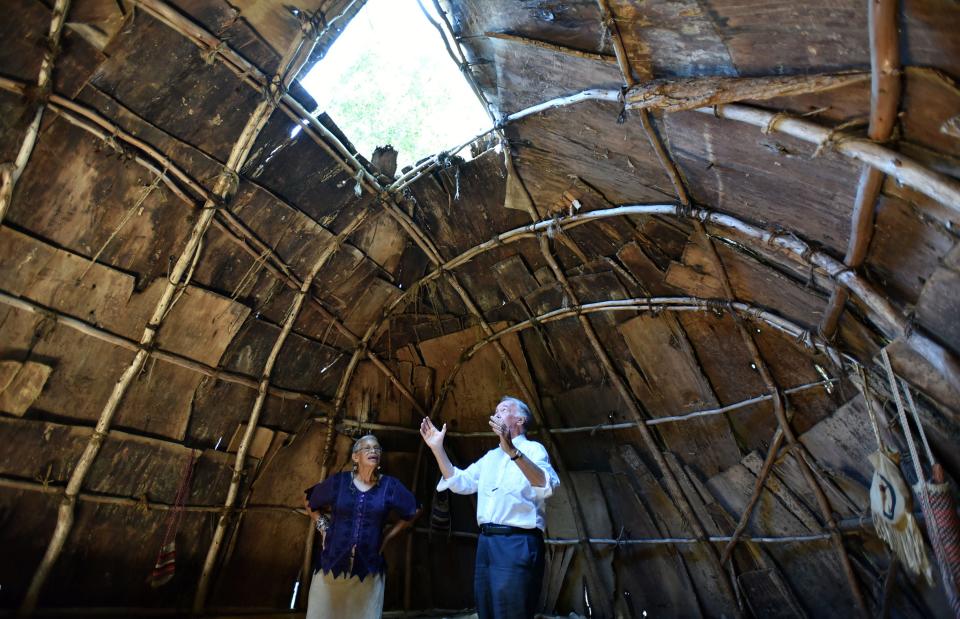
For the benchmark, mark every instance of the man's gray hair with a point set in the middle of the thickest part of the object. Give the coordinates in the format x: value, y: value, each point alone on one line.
x: 523, y: 409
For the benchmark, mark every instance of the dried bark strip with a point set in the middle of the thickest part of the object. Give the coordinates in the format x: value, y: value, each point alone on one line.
x: 11, y: 176
x: 884, y: 102
x: 157, y: 353
x: 178, y: 278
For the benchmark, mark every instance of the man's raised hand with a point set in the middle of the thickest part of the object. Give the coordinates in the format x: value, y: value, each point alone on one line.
x: 431, y: 436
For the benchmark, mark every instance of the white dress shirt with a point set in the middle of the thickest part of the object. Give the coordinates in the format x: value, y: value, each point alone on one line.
x: 504, y: 495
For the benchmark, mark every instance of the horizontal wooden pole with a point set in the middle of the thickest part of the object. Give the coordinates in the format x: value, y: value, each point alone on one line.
x: 146, y: 504
x: 906, y: 171
x: 680, y: 94
x: 850, y: 526
x: 363, y: 426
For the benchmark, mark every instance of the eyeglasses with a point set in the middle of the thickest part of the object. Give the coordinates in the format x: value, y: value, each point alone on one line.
x: 371, y: 450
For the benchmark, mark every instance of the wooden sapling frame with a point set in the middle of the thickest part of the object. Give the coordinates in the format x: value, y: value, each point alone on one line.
x: 682, y: 94
x: 44, y: 82
x: 236, y: 230
x: 889, y: 320
x: 760, y: 363
x: 626, y: 396
x: 176, y: 280
x: 904, y: 170
x: 884, y: 102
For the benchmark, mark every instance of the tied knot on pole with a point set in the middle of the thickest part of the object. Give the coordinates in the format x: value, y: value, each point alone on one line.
x: 719, y: 306
x: 807, y: 340
x: 836, y: 136
x: 771, y: 125
x: 211, y: 54
x: 231, y: 183
x: 622, y: 100
x: 620, y: 538
x: 312, y: 25
x: 684, y: 211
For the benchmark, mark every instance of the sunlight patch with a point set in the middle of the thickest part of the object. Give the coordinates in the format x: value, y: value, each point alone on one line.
x: 388, y: 79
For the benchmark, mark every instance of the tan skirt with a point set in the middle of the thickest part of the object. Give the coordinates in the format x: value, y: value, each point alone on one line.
x: 345, y: 598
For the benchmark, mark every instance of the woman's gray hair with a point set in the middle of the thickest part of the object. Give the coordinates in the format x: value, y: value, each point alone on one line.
x: 523, y: 409
x: 365, y: 437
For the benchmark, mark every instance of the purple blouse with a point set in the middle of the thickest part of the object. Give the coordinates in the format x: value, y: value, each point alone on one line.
x: 352, y: 545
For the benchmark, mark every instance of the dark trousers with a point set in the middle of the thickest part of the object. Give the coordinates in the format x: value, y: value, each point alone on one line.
x: 508, y: 576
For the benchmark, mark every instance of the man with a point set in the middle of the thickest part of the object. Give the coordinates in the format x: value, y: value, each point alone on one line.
x: 512, y: 483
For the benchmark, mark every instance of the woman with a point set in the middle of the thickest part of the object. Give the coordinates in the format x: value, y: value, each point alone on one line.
x: 348, y: 579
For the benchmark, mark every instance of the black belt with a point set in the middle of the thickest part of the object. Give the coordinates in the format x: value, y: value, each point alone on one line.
x: 503, y: 529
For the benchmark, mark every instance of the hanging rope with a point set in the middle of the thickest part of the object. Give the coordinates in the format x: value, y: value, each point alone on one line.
x: 937, y: 534
x: 165, y: 565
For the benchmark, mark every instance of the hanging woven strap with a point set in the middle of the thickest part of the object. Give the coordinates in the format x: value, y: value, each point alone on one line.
x: 944, y: 511
x: 933, y: 530
x: 165, y: 566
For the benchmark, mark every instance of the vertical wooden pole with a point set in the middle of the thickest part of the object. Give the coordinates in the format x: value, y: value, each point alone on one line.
x: 884, y: 102
x: 290, y: 319
x: 44, y: 85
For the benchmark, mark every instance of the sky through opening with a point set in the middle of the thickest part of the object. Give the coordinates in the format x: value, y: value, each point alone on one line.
x: 388, y: 79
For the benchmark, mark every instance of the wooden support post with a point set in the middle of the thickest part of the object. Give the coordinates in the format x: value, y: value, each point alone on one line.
x: 293, y: 313
x: 176, y: 281
x: 44, y: 83
x: 306, y: 575
x: 884, y: 102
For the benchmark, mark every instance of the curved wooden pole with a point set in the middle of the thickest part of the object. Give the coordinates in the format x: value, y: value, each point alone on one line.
x: 653, y: 304
x: 168, y: 170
